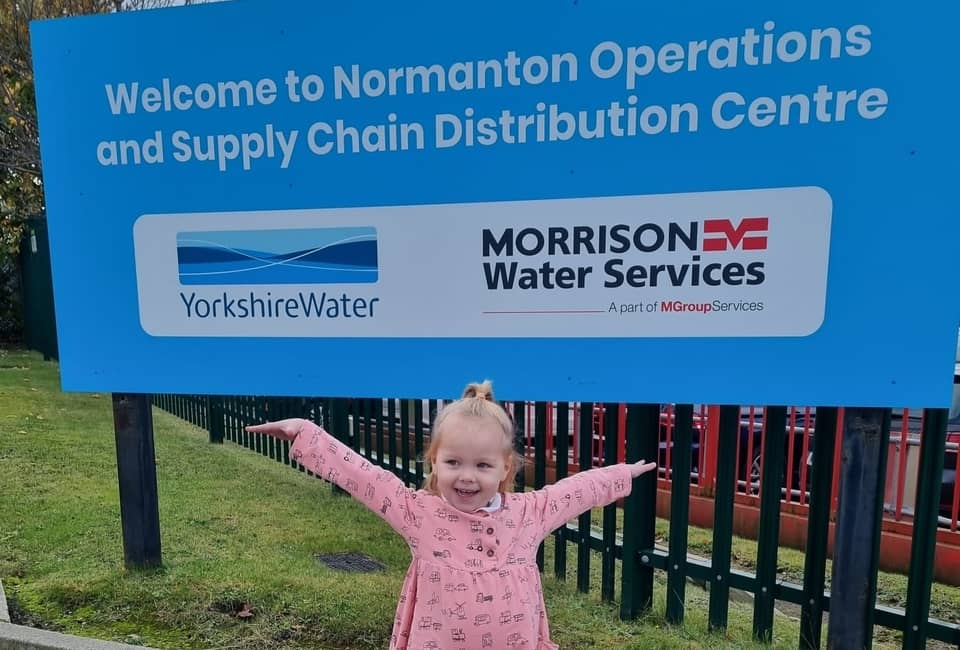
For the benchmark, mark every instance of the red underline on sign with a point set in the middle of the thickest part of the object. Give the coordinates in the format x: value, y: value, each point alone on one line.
x: 550, y: 311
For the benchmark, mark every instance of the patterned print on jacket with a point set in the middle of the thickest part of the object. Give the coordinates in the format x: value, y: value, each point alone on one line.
x: 473, y: 580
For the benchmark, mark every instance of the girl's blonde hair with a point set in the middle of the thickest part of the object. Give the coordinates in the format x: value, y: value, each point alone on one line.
x: 477, y: 401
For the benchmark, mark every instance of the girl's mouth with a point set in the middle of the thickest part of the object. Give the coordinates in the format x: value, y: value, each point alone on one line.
x: 466, y: 494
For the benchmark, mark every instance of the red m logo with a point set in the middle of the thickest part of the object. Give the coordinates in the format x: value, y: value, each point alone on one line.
x: 735, y: 236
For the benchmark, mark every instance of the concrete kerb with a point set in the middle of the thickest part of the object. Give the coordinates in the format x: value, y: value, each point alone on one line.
x: 4, y: 612
x: 18, y: 637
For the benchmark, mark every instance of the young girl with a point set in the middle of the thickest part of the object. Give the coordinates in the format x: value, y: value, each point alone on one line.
x: 473, y: 580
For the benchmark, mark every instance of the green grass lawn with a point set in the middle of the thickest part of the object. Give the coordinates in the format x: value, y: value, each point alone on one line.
x: 240, y: 533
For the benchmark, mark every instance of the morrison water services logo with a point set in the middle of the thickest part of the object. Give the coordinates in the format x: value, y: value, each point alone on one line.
x: 655, y: 254
x: 291, y: 256
x: 750, y: 234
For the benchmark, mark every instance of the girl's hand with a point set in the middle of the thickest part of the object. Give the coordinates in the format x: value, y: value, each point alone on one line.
x: 281, y: 429
x: 640, y: 467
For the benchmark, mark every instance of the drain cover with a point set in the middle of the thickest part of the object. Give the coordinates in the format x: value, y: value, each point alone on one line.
x: 351, y: 562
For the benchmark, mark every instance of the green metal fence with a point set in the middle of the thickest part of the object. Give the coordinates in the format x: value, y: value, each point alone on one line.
x: 392, y: 433
x: 39, y: 323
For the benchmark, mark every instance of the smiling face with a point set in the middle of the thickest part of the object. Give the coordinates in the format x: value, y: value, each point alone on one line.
x: 471, y: 461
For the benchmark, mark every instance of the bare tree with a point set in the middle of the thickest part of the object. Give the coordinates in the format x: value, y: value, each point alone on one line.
x: 21, y: 179
x: 21, y: 176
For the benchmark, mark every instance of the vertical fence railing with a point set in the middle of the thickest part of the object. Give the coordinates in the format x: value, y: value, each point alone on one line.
x: 768, y: 537
x: 585, y: 446
x: 760, y: 454
x: 728, y: 425
x: 562, y: 450
x: 924, y: 540
x: 608, y: 564
x: 679, y: 513
x: 818, y: 529
x: 540, y: 459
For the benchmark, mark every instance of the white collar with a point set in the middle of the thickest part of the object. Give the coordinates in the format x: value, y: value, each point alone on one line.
x: 492, y: 506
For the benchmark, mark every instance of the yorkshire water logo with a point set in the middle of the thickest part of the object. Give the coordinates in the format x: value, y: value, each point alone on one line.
x: 292, y: 256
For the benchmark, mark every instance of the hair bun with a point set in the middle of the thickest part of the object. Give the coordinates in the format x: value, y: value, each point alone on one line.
x: 482, y: 390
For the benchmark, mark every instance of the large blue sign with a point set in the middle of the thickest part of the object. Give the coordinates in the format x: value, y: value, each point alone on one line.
x: 732, y: 203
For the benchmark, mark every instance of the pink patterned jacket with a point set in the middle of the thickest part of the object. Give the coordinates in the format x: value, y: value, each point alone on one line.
x: 473, y: 581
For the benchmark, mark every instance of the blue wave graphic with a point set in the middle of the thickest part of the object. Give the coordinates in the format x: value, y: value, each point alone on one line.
x: 294, y: 256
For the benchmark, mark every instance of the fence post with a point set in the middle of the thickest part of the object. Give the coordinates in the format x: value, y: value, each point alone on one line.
x: 520, y: 442
x: 406, y: 417
x: 540, y: 458
x: 215, y: 418
x: 768, y: 536
x: 608, y: 562
x: 382, y: 434
x: 818, y: 529
x: 709, y: 442
x: 628, y: 608
x: 585, y: 444
x: 339, y: 422
x: 726, y: 459
x: 866, y: 433
x: 418, y: 440
x: 640, y: 512
x: 679, y: 511
x: 932, y: 446
x: 392, y: 432
x: 561, y: 447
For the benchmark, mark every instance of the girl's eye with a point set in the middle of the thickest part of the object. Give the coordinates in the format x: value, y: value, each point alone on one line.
x: 484, y: 465
x: 451, y: 462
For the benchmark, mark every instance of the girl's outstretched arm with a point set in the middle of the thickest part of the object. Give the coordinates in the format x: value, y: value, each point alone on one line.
x: 641, y: 467
x: 557, y: 504
x: 281, y: 429
x: 378, y: 489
